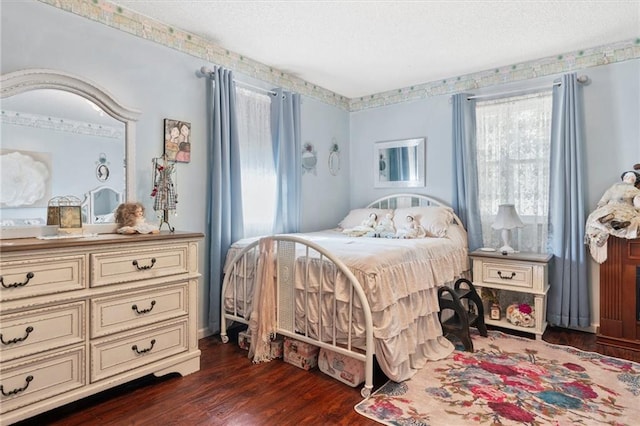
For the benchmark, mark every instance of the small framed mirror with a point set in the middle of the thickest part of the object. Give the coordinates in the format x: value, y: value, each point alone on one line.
x: 100, y: 204
x: 399, y: 163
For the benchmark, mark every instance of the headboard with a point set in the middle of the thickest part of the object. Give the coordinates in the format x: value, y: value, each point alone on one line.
x: 395, y: 201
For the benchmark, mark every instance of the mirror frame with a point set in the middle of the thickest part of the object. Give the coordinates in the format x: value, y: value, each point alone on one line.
x: 420, y: 144
x: 17, y: 82
x: 88, y: 205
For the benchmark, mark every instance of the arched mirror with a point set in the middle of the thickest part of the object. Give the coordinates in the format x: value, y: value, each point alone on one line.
x: 61, y: 136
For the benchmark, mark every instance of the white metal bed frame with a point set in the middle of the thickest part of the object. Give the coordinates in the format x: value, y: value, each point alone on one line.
x: 286, y: 248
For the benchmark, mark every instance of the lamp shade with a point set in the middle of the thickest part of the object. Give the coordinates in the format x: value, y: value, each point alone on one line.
x: 507, y: 218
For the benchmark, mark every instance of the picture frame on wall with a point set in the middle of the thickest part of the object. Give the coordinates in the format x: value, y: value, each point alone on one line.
x: 177, y: 140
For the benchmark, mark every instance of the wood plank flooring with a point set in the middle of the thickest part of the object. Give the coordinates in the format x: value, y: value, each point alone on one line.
x: 230, y: 390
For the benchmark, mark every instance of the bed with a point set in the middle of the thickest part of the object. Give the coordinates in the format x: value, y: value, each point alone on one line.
x: 356, y: 296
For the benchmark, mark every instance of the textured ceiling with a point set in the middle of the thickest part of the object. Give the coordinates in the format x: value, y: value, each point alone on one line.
x: 357, y: 48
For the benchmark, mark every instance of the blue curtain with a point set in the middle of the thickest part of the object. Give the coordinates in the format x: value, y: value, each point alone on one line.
x: 287, y: 152
x: 465, y: 169
x: 568, y: 301
x: 224, y: 204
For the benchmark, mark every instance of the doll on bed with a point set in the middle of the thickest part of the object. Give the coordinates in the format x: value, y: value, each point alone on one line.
x: 385, y: 229
x: 411, y: 229
x: 131, y: 220
x: 366, y: 228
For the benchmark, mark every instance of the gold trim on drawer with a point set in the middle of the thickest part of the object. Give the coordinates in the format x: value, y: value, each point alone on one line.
x: 114, y: 355
x: 126, y: 311
x: 41, y: 330
x: 517, y: 276
x: 134, y: 265
x: 34, y: 380
x: 29, y: 278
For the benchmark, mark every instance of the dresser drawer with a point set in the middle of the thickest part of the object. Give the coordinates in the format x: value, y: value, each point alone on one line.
x: 41, y: 330
x: 508, y: 274
x: 31, y: 380
x: 28, y: 278
x: 114, y: 355
x: 124, y: 312
x: 133, y: 265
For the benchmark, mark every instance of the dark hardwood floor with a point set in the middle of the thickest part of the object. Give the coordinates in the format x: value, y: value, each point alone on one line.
x: 230, y: 390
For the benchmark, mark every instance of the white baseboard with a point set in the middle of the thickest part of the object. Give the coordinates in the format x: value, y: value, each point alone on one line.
x: 204, y: 332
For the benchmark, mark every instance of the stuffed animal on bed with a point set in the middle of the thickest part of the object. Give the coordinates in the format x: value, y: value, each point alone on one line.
x: 131, y: 220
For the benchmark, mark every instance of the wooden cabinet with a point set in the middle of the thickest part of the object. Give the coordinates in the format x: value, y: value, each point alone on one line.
x: 78, y: 316
x: 519, y: 273
x: 620, y: 295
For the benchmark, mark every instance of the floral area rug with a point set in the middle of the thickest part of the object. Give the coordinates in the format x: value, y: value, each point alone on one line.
x: 512, y: 380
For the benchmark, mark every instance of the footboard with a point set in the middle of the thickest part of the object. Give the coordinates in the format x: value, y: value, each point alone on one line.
x: 318, y: 299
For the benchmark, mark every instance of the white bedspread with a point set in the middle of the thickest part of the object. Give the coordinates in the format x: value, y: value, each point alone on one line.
x: 400, y: 278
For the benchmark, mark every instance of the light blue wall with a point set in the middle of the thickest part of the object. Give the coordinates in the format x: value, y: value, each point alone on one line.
x: 162, y: 83
x: 325, y: 197
x: 612, y: 138
x: 612, y: 117
x: 429, y: 118
x: 612, y: 113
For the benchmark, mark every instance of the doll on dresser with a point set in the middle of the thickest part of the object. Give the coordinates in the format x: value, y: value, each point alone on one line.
x: 131, y: 220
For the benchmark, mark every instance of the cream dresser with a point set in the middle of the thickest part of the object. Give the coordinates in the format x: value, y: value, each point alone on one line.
x: 78, y: 316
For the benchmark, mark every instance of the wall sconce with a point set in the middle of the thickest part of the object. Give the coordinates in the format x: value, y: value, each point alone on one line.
x: 507, y: 219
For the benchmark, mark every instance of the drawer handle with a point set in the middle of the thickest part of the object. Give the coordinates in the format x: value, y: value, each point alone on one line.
x: 143, y: 311
x: 142, y: 268
x: 17, y: 390
x: 141, y: 351
x: 29, y: 276
x: 27, y: 330
x: 513, y: 274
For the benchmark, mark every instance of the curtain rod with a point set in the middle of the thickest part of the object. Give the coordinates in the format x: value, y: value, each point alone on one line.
x: 205, y: 71
x: 583, y: 79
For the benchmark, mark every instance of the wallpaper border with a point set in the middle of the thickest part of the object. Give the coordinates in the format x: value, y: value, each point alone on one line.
x: 109, y: 14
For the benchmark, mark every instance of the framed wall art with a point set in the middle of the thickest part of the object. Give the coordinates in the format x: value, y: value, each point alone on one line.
x: 177, y: 140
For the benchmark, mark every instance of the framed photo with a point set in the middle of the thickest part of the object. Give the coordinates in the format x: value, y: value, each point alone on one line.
x: 177, y: 140
x: 495, y: 312
x: 70, y: 217
x: 102, y: 172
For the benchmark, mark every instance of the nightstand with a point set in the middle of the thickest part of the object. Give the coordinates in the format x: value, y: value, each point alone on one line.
x: 525, y: 273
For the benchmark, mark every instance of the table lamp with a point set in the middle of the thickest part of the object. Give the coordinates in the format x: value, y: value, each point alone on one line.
x: 507, y: 219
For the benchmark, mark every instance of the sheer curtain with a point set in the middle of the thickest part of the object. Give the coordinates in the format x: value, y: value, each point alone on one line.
x: 513, y: 146
x: 256, y: 160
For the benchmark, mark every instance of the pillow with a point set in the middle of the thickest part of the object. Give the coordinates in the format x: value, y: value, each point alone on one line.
x: 458, y: 235
x: 357, y: 216
x: 434, y: 219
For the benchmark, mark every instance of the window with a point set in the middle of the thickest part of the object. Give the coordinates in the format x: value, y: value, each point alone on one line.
x: 256, y: 162
x: 513, y: 146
